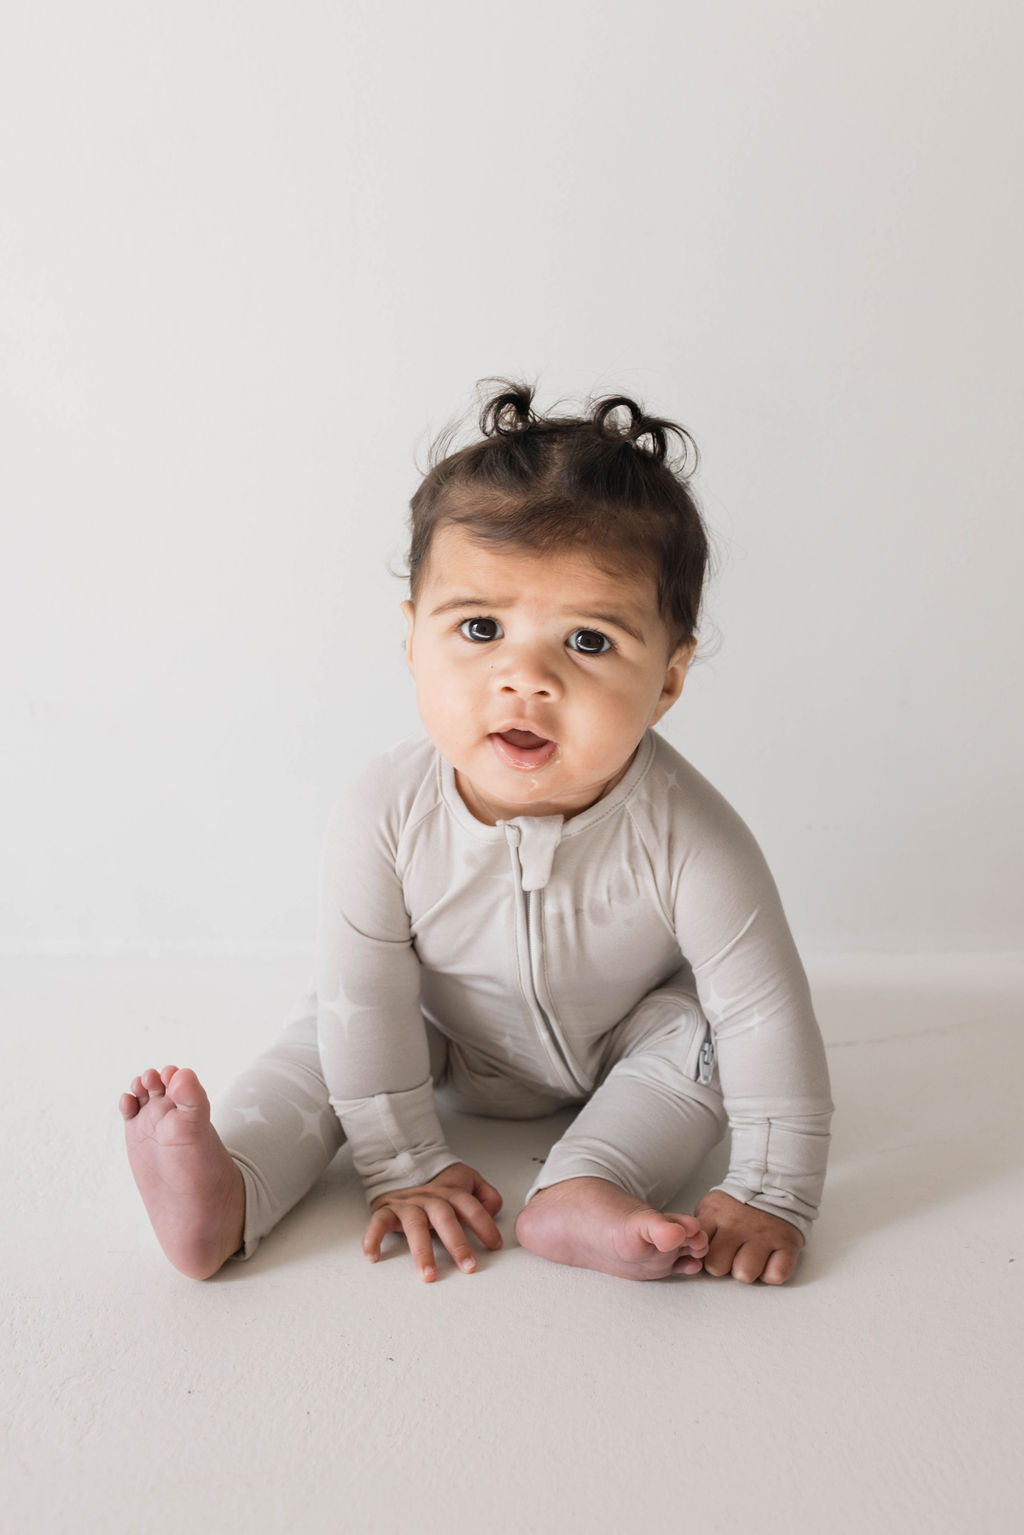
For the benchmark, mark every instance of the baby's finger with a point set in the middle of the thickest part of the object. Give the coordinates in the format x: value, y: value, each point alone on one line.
x: 487, y: 1194
x: 749, y: 1261
x: 721, y: 1253
x: 382, y: 1222
x: 474, y: 1215
x: 708, y: 1225
x: 780, y: 1266
x: 417, y: 1233
x: 446, y: 1224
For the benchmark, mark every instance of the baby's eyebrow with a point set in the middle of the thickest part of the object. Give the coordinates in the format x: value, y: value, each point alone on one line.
x: 470, y: 602
x: 614, y: 620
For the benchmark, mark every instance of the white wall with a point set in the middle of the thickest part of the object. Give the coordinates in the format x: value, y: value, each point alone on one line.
x: 252, y: 256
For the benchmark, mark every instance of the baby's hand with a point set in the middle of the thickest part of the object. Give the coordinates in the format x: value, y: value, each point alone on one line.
x: 745, y: 1242
x: 457, y: 1197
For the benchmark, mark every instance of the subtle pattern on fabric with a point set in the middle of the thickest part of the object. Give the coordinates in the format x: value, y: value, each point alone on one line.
x: 276, y: 1121
x: 526, y: 944
x: 650, y: 1123
x: 538, y: 964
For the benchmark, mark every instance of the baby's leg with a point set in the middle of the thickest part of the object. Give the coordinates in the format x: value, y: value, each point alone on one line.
x: 597, y: 1202
x: 212, y: 1196
x: 278, y: 1125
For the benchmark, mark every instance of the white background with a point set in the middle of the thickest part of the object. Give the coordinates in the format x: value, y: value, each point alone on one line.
x: 254, y: 256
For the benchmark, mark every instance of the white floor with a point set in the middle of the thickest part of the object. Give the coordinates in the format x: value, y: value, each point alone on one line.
x: 309, y: 1391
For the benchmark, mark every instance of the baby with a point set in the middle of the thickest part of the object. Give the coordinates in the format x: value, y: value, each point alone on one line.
x: 538, y: 905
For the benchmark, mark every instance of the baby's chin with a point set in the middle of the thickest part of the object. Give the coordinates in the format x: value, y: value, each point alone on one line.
x: 491, y: 798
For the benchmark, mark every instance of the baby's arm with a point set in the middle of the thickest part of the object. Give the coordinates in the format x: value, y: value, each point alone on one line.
x: 372, y: 1037
x: 731, y: 926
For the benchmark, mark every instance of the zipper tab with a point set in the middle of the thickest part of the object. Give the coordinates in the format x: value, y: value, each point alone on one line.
x: 707, y: 1062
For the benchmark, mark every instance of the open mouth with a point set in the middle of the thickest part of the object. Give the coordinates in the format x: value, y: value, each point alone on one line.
x: 522, y: 748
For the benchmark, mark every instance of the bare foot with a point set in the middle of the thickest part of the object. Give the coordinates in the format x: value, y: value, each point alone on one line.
x: 593, y: 1224
x: 192, y: 1190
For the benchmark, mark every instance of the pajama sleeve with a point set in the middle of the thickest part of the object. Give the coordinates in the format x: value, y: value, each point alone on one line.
x: 731, y: 927
x: 371, y: 1033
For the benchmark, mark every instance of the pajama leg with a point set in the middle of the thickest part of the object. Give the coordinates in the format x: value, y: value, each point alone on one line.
x: 650, y: 1121
x: 276, y: 1121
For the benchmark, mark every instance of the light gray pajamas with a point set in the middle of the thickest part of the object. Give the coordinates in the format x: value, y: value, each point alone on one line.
x: 635, y: 960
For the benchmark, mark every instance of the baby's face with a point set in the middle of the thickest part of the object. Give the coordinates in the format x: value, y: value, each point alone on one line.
x: 536, y: 674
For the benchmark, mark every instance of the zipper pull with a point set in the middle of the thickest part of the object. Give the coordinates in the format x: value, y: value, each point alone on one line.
x: 513, y: 834
x: 707, y: 1062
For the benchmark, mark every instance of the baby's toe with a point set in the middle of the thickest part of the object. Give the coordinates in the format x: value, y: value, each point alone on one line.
x: 676, y: 1232
x: 687, y: 1265
x: 128, y: 1105
x: 153, y: 1082
x: 187, y: 1092
x: 696, y: 1237
x: 656, y: 1231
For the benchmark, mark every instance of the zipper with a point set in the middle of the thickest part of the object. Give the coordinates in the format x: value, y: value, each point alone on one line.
x: 545, y: 1028
x: 707, y: 1062
x: 546, y: 1023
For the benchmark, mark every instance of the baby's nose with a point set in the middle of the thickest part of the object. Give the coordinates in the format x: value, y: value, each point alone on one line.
x: 530, y: 673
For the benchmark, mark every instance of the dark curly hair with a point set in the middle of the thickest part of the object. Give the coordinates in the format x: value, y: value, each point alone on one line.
x: 546, y: 482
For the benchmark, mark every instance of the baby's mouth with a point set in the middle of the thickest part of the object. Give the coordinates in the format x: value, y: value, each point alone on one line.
x: 523, y: 738
x: 523, y: 748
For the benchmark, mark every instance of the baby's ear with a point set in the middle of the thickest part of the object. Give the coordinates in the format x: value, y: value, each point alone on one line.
x: 409, y: 614
x: 675, y: 676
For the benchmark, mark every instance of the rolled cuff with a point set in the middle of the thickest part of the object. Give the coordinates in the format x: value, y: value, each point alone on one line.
x: 779, y: 1166
x: 396, y: 1138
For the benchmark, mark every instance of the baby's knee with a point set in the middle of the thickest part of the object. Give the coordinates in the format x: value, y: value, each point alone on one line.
x: 668, y: 1039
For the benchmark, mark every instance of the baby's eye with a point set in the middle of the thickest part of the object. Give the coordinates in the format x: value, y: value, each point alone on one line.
x: 589, y: 642
x: 480, y: 629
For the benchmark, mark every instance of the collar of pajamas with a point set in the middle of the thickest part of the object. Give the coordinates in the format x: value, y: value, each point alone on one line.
x: 528, y: 942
